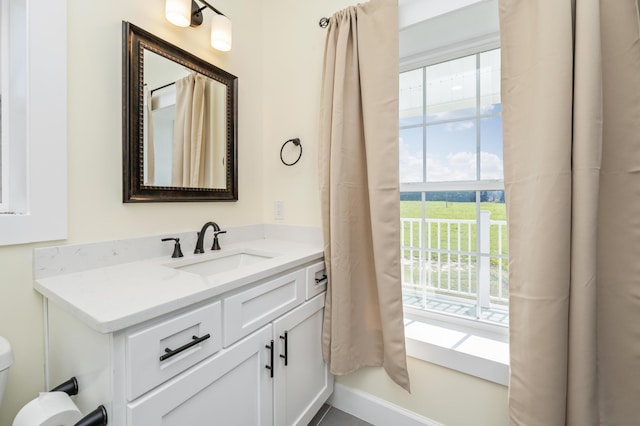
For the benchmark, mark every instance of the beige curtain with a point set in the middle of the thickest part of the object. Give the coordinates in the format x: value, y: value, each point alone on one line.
x: 215, y: 135
x: 571, y: 111
x: 189, y: 132
x: 358, y: 174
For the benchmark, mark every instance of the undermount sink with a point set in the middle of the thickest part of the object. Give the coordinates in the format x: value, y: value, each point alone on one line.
x: 223, y: 262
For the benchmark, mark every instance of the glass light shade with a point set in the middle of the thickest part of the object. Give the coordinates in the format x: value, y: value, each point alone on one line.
x: 221, y: 33
x: 178, y: 12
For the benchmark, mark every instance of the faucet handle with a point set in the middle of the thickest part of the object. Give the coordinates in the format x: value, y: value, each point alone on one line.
x: 177, y: 252
x: 216, y: 244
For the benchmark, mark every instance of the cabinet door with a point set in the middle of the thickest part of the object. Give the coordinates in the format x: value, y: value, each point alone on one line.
x: 304, y: 383
x: 230, y: 388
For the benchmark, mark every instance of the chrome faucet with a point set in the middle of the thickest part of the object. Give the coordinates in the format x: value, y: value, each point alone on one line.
x: 216, y: 231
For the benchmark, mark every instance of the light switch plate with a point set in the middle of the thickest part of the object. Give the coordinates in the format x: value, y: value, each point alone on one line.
x: 278, y: 210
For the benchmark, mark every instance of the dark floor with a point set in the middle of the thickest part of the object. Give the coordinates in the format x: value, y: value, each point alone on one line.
x: 331, y: 416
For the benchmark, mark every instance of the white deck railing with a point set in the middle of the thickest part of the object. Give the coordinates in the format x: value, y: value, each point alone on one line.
x: 449, y: 258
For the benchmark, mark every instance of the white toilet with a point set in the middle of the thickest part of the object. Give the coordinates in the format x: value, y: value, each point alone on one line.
x: 6, y: 359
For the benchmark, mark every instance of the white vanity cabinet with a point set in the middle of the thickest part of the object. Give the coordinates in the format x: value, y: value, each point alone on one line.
x: 249, y: 357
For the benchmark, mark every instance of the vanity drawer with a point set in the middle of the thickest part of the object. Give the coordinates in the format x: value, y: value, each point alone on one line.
x: 159, y: 352
x: 249, y: 310
x: 316, y: 279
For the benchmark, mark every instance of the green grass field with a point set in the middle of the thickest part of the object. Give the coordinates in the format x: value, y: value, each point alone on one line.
x: 454, y: 210
x: 449, y: 234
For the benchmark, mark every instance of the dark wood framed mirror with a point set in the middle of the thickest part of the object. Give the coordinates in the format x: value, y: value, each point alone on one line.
x: 180, y: 120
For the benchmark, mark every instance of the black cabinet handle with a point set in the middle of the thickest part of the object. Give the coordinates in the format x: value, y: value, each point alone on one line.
x: 286, y: 349
x: 322, y: 278
x: 270, y: 366
x: 171, y: 352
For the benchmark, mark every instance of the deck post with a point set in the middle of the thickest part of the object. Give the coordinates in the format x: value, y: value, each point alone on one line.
x: 484, y: 267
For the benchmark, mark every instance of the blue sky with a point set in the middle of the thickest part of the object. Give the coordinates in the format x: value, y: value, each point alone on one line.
x: 451, y: 147
x: 450, y: 91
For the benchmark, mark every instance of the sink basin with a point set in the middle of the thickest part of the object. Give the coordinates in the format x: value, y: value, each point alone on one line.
x: 223, y: 262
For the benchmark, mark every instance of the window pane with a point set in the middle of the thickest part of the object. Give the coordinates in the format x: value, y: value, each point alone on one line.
x: 490, y: 82
x: 411, y: 95
x: 452, y: 260
x: 451, y: 151
x: 451, y: 89
x: 454, y: 243
x: 451, y: 250
x: 491, y: 158
x: 439, y: 251
x: 411, y: 155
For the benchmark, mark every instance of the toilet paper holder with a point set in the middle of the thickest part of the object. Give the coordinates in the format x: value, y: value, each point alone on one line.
x: 70, y: 387
x: 97, y: 417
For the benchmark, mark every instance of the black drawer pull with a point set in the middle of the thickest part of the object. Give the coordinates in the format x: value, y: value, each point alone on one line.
x: 195, y: 341
x: 270, y: 366
x: 286, y: 349
x: 322, y: 278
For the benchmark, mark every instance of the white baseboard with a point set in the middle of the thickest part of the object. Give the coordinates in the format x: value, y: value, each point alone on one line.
x: 375, y: 410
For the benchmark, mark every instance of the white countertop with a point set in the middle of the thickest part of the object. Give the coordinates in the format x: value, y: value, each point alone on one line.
x: 113, y: 298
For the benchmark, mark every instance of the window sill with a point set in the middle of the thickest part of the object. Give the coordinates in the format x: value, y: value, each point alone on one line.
x: 483, y: 353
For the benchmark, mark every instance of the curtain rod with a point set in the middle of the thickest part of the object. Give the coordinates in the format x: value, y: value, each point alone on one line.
x: 324, y: 22
x: 162, y: 87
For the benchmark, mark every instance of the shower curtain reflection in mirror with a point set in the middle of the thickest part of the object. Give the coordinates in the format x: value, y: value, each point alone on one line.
x: 185, y: 139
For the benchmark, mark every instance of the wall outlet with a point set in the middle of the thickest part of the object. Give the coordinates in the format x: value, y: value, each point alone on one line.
x: 278, y: 210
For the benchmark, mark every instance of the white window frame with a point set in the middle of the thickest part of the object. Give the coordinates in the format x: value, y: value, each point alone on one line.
x: 468, y: 345
x: 4, y: 91
x: 35, y: 122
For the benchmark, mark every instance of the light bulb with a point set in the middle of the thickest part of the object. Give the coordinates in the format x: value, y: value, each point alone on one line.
x: 221, y: 33
x: 178, y: 12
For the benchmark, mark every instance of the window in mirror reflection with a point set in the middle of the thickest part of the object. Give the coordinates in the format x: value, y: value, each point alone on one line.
x: 185, y: 126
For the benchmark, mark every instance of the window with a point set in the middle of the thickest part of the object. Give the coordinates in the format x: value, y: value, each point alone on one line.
x: 33, y: 114
x: 4, y: 145
x: 453, y: 215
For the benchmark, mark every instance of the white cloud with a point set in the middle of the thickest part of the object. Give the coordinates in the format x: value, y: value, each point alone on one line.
x: 462, y: 166
x: 487, y: 108
x: 410, y: 164
x: 460, y: 125
x: 491, y: 166
x: 454, y: 167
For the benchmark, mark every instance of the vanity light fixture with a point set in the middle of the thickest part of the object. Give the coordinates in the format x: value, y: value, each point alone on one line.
x: 184, y: 13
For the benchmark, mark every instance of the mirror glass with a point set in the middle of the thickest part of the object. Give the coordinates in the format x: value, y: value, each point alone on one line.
x: 180, y: 124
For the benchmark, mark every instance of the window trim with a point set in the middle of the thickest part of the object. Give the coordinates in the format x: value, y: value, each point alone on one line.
x: 465, y: 345
x: 43, y: 215
x: 4, y: 90
x: 450, y: 52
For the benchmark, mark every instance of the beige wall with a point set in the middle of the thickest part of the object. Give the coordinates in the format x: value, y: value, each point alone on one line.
x: 446, y: 396
x: 277, y: 55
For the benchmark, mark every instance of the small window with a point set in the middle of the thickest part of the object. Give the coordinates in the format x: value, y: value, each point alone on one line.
x: 33, y: 115
x: 453, y: 216
x: 4, y: 146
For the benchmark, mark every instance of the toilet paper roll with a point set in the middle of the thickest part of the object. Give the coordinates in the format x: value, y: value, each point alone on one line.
x: 49, y: 409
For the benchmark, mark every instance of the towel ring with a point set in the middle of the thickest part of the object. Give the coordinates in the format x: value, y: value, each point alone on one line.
x: 296, y: 142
